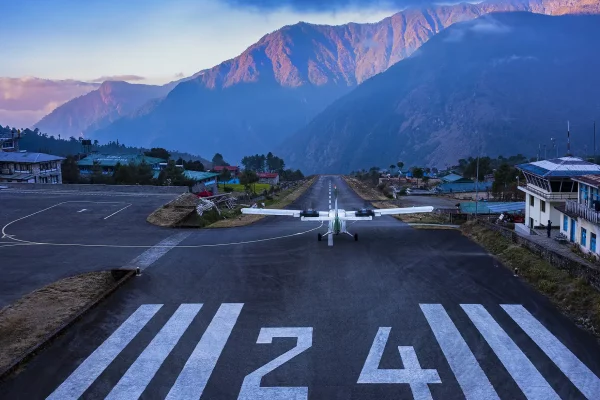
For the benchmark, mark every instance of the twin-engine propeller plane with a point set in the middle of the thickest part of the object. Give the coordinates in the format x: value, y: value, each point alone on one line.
x: 336, y: 218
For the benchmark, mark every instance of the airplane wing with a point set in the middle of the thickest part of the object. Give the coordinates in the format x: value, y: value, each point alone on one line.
x: 406, y: 210
x: 271, y: 211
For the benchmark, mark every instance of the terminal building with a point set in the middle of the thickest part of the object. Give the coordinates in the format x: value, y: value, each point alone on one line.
x: 550, y: 184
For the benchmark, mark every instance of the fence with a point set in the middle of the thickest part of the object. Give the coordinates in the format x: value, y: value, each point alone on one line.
x: 575, y: 268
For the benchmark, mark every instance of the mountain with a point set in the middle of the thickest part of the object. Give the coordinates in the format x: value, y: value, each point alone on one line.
x: 253, y: 102
x: 505, y: 82
x: 99, y: 107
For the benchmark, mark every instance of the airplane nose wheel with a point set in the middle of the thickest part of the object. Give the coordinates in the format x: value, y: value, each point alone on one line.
x: 356, y: 237
x: 319, y: 237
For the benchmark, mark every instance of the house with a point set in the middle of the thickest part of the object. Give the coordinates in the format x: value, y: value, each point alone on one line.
x: 550, y: 185
x: 205, y: 181
x: 234, y: 170
x: 271, y: 178
x: 108, y: 162
x: 580, y: 217
x: 10, y: 141
x: 23, y: 166
x: 454, y: 178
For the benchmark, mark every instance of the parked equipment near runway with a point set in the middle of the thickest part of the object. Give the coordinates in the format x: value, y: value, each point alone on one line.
x: 337, y: 218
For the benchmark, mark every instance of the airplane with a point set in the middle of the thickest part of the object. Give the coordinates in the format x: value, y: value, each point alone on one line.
x: 336, y: 218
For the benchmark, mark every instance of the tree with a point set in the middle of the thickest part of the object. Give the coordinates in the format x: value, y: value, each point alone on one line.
x: 247, y: 178
x: 225, y: 176
x: 218, y: 161
x: 70, y: 170
x: 194, y: 165
x: 157, y: 152
x: 417, y: 172
x: 173, y: 176
x: 400, y: 165
x: 425, y: 180
x: 392, y: 167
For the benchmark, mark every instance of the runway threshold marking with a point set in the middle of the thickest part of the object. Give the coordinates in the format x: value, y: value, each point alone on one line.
x: 193, y: 378
x: 91, y: 368
x: 116, y: 212
x: 577, y: 372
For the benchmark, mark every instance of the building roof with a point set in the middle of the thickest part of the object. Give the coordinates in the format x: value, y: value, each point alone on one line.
x: 27, y: 157
x: 220, y: 168
x: 451, y: 178
x: 592, y: 180
x: 267, y: 175
x: 198, y: 175
x: 111, y: 160
x: 561, y: 167
x: 496, y: 207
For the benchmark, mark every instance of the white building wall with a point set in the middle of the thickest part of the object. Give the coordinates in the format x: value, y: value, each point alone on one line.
x: 541, y: 217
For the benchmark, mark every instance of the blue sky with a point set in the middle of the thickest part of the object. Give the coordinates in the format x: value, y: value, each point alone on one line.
x: 158, y: 40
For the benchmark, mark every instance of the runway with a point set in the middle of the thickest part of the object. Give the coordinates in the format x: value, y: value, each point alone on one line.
x: 268, y: 312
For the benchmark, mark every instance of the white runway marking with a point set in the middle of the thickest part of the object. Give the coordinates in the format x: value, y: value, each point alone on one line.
x: 117, y: 211
x: 531, y: 382
x: 193, y: 378
x: 81, y: 379
x: 464, y: 365
x: 577, y: 372
x: 148, y: 257
x: 82, y: 210
x: 141, y: 372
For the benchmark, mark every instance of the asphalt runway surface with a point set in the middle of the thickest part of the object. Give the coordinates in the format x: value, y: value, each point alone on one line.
x: 268, y: 312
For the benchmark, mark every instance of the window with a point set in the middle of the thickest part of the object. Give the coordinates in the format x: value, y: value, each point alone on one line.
x: 565, y: 223
x: 593, y: 242
x: 531, y: 200
x: 543, y: 205
x: 8, y: 144
x: 583, y: 237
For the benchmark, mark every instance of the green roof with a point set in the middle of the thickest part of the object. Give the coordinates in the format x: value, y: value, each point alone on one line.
x: 199, y: 176
x: 111, y: 160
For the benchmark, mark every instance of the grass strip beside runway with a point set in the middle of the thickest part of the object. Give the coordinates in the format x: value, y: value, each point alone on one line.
x: 28, y: 321
x: 573, y: 296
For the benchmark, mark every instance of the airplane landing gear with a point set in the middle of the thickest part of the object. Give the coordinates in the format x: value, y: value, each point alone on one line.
x: 319, y: 237
x: 356, y: 237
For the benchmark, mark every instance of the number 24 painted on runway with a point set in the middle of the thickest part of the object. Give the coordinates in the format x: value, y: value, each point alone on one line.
x: 412, y: 374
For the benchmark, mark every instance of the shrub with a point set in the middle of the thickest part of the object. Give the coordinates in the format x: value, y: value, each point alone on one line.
x: 228, y: 189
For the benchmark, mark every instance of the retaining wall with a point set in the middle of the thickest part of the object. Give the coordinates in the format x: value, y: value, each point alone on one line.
x: 98, y: 188
x: 579, y: 269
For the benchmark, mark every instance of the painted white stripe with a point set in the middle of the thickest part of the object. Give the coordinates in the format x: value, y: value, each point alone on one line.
x: 468, y: 372
x: 81, y: 379
x: 139, y: 374
x: 531, y: 382
x: 577, y: 372
x: 117, y: 212
x: 193, y: 378
x: 149, y: 256
x: 82, y: 210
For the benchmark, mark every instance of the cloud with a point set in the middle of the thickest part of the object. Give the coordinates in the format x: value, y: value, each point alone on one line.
x: 23, y: 101
x: 514, y: 57
x: 324, y: 5
x: 454, y: 35
x: 127, y: 78
x: 488, y: 24
x: 179, y: 75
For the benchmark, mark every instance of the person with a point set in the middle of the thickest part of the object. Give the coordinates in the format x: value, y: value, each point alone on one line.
x: 549, y: 227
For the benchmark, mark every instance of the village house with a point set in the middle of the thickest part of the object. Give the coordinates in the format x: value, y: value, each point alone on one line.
x: 271, y: 178
x: 23, y: 166
x: 549, y: 186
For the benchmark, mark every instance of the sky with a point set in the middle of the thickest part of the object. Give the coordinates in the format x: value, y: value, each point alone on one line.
x: 140, y: 41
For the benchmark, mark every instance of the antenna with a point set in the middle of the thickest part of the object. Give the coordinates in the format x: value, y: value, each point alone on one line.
x: 568, y: 139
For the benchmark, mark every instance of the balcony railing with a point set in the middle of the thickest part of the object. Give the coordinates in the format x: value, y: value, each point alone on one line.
x: 582, y: 211
x: 549, y: 196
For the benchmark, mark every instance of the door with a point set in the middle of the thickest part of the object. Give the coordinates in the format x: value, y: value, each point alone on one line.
x: 573, y: 230
x: 531, y: 223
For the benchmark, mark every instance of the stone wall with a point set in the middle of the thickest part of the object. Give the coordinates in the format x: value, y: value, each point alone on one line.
x: 575, y: 268
x: 150, y: 189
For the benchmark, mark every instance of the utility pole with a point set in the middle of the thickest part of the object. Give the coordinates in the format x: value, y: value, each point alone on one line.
x: 477, y: 174
x: 568, y: 140
x: 545, y: 155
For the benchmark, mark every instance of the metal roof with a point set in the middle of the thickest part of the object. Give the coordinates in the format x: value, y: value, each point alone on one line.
x: 27, y: 157
x: 561, y: 167
x: 198, y: 175
x: 451, y: 178
x: 484, y: 207
x: 111, y: 160
x: 592, y: 180
x: 502, y: 207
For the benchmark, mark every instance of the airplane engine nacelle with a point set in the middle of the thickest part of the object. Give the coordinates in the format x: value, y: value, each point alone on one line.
x: 309, y: 213
x: 365, y: 213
